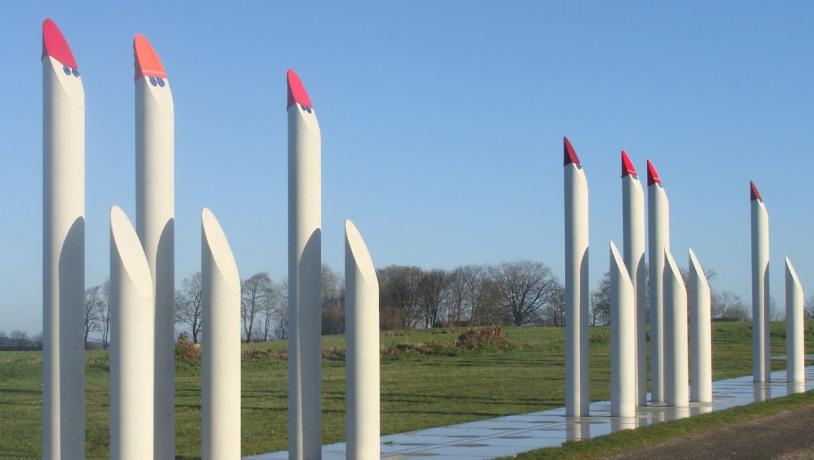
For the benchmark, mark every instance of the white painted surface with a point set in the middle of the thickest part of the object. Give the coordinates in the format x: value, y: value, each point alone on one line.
x: 576, y: 291
x: 623, y: 338
x: 304, y: 284
x: 633, y: 234
x: 63, y: 272
x: 220, y: 367
x: 132, y: 318
x: 761, y: 353
x: 699, y: 300
x: 675, y: 335
x: 155, y: 210
x: 362, y: 427
x: 658, y: 223
x: 795, y: 325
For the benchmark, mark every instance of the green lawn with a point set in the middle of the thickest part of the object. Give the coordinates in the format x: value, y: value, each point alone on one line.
x: 426, y: 382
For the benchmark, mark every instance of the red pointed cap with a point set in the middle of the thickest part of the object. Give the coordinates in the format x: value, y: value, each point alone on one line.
x: 296, y: 92
x: 569, y: 154
x: 652, y: 174
x: 54, y: 44
x: 147, y: 62
x: 754, y: 193
x: 627, y: 166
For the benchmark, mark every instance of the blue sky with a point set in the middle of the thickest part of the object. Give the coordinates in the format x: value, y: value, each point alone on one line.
x: 442, y: 127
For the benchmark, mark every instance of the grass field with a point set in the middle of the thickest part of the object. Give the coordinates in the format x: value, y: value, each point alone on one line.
x: 426, y: 382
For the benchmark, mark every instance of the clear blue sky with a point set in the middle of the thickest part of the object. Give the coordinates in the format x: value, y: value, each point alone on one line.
x: 442, y: 127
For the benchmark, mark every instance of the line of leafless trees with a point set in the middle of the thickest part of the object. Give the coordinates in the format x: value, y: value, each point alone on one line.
x: 514, y: 293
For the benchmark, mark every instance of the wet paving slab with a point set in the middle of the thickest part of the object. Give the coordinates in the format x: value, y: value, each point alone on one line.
x: 514, y: 434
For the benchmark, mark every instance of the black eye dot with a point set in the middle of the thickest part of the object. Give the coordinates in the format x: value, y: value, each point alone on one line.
x: 153, y: 81
x: 66, y: 69
x: 75, y: 72
x: 160, y: 82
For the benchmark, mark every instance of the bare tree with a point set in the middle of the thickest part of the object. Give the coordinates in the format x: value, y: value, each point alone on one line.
x: 525, y: 288
x: 483, y: 296
x: 252, y: 299
x: 554, y: 313
x: 727, y: 305
x: 398, y: 294
x: 600, y: 302
x: 333, y: 301
x: 281, y: 312
x: 189, y: 304
x: 91, y: 307
x: 103, y: 314
x: 19, y: 339
x: 458, y: 307
x: 431, y: 295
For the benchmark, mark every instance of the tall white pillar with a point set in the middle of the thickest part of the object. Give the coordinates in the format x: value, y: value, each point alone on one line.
x: 362, y: 356
x: 699, y: 298
x: 795, y: 325
x: 623, y: 338
x: 63, y: 248
x: 132, y: 317
x: 675, y: 335
x: 220, y: 373
x: 658, y: 226
x: 155, y: 209
x: 576, y: 285
x: 633, y: 240
x: 304, y: 275
x: 761, y: 357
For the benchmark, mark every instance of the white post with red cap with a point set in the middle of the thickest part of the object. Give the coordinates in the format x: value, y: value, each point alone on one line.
x: 576, y: 284
x: 633, y: 235
x: 761, y: 364
x: 658, y: 226
x: 304, y: 275
x: 155, y: 211
x: 63, y: 248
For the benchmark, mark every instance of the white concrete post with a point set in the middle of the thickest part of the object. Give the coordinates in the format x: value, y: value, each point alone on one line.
x: 675, y: 337
x: 304, y: 275
x: 700, y: 332
x: 634, y: 243
x: 155, y: 209
x: 362, y: 427
x: 795, y: 325
x: 220, y: 373
x: 658, y: 226
x: 576, y: 285
x: 132, y: 317
x: 63, y: 248
x: 761, y: 357
x: 623, y: 338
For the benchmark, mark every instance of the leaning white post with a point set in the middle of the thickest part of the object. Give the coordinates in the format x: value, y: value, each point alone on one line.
x: 362, y: 355
x: 700, y: 334
x: 155, y: 209
x: 675, y: 337
x: 623, y: 338
x: 761, y: 358
x: 304, y: 275
x: 795, y: 323
x: 658, y: 226
x: 220, y: 374
x: 63, y: 249
x: 576, y: 285
x: 131, y: 347
x: 633, y: 240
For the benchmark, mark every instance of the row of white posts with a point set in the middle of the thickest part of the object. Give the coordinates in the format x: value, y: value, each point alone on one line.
x: 142, y: 359
x: 681, y: 359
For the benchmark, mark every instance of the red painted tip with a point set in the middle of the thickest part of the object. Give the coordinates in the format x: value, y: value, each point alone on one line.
x: 652, y: 174
x: 54, y: 44
x: 296, y: 92
x: 570, y: 155
x: 754, y: 193
x: 627, y: 166
x: 147, y: 62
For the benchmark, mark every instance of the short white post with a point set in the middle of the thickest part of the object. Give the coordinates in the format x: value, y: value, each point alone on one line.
x: 132, y: 313
x: 362, y: 428
x: 675, y: 337
x: 623, y: 338
x: 220, y: 379
x: 795, y: 323
x: 700, y: 333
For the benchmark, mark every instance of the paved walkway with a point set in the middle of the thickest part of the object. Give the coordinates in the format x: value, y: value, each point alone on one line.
x: 514, y: 434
